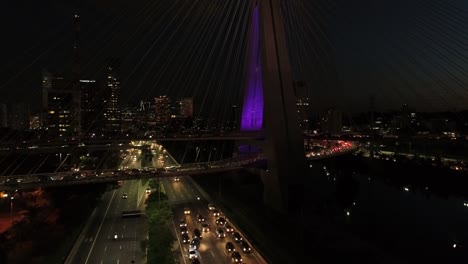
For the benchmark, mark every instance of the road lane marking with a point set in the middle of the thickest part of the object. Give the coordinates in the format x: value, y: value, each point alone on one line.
x: 180, y: 244
x: 105, y: 248
x: 118, y: 260
x: 212, y: 253
x: 100, y: 226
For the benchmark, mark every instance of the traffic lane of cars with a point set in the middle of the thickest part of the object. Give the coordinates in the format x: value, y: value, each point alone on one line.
x: 210, y: 250
x: 129, y: 231
x: 218, y: 221
x: 200, y: 207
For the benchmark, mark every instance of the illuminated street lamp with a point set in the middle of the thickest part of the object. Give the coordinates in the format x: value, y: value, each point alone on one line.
x: 11, y: 208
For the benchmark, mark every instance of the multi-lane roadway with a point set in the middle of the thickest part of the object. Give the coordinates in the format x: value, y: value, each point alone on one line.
x: 98, y: 243
x: 183, y: 194
x: 109, y: 238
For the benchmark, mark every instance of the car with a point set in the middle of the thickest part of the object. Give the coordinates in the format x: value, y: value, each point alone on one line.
x: 244, y: 246
x: 230, y: 248
x: 195, y: 243
x: 200, y: 218
x: 183, y: 230
x: 182, y: 223
x: 186, y: 211
x: 148, y: 190
x: 185, y: 238
x: 229, y: 228
x: 221, y: 221
x: 220, y: 232
x: 211, y: 207
x: 236, y: 257
x: 237, y: 236
x: 197, y: 233
x: 205, y: 227
x: 176, y: 179
x: 193, y: 254
x: 215, y: 213
x: 124, y: 196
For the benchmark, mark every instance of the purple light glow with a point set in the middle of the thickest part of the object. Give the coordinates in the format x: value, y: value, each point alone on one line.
x: 252, y: 110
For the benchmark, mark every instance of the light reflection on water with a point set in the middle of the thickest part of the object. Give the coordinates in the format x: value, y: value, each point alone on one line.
x: 403, y: 220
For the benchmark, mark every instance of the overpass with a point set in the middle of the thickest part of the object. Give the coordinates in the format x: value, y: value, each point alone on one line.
x: 99, y: 144
x: 55, y: 179
x: 388, y: 139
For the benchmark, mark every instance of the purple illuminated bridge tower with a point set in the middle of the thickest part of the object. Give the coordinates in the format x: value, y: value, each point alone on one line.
x: 252, y: 110
x: 269, y: 105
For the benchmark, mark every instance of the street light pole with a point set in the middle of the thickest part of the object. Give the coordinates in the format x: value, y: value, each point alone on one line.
x: 11, y: 209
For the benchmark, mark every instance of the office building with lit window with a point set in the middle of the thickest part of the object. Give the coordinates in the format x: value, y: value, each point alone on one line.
x: 112, y: 115
x: 163, y: 110
x: 61, y: 105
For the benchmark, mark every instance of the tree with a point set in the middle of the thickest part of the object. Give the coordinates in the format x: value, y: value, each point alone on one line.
x: 159, y: 212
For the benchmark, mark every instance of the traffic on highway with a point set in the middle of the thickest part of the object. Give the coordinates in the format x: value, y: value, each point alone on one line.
x: 204, y: 234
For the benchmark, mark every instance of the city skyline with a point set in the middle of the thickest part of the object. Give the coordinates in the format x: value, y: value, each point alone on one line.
x: 261, y: 126
x: 352, y: 58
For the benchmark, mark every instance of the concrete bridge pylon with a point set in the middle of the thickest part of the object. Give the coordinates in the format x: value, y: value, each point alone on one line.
x: 270, y: 105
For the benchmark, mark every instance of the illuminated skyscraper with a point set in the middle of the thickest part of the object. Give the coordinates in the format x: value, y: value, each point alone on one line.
x: 59, y: 103
x: 163, y: 110
x: 303, y: 110
x: 112, y: 98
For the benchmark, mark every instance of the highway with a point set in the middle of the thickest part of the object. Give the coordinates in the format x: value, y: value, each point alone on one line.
x: 96, y: 244
x: 183, y: 194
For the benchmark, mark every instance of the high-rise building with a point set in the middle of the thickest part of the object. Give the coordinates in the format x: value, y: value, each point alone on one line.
x: 163, y: 110
x: 186, y: 107
x: 76, y: 51
x: 303, y: 111
x: 61, y: 104
x: 3, y: 115
x: 92, y: 107
x: 112, y: 99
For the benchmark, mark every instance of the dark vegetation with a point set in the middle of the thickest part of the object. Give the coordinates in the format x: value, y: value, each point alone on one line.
x: 158, y: 213
x: 50, y: 221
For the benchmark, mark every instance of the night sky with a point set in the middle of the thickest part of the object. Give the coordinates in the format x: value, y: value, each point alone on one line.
x: 398, y: 51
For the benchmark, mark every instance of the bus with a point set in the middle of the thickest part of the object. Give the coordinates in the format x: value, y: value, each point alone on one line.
x: 133, y: 213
